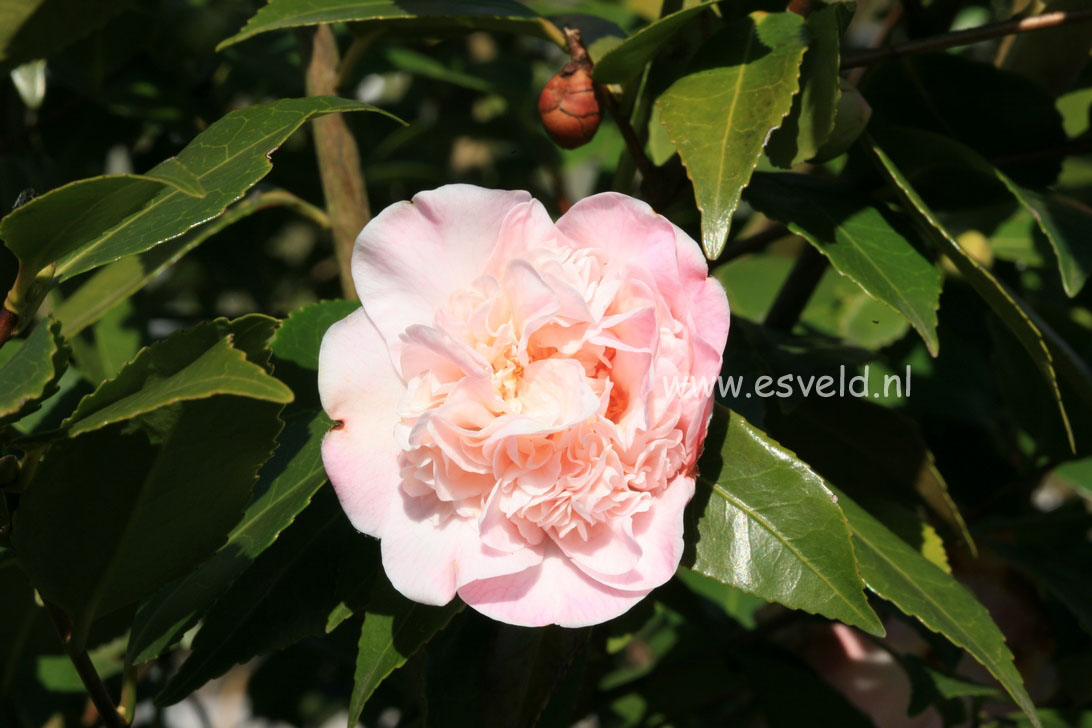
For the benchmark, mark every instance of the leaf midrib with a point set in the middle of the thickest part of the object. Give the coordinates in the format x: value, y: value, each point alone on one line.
x: 717, y: 488
x: 158, y: 201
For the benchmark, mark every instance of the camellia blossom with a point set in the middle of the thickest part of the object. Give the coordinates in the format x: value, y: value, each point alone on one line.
x: 505, y: 425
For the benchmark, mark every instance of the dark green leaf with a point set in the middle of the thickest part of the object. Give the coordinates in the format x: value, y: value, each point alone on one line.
x: 286, y: 595
x: 766, y: 524
x: 950, y: 94
x: 919, y: 588
x: 739, y: 87
x: 1053, y: 57
x: 866, y: 449
x: 626, y: 59
x: 285, y: 487
x: 195, y: 364
x: 1064, y: 221
x: 448, y: 15
x: 929, y: 686
x: 864, y: 242
x: 296, y: 346
x: 1012, y: 312
x: 737, y: 604
x: 109, y: 518
x: 29, y: 29
x: 124, y: 277
x: 30, y: 369
x: 1076, y: 474
x: 394, y: 628
x: 63, y: 220
x: 1053, y: 550
x: 769, y: 672
x: 811, y: 118
x: 112, y: 341
x: 228, y: 158
x: 525, y: 666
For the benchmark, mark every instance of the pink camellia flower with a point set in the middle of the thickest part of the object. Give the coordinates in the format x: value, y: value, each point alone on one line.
x: 503, y: 398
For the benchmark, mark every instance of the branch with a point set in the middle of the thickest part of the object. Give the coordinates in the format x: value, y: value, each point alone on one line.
x: 966, y: 37
x: 338, y: 156
x: 797, y: 289
x: 800, y: 7
x: 96, y: 690
x: 633, y: 144
x: 8, y: 321
x: 754, y: 243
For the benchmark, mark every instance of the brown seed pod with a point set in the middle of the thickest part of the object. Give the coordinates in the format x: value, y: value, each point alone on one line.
x: 569, y: 105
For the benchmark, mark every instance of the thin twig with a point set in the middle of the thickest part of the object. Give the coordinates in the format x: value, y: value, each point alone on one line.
x: 633, y: 144
x: 966, y: 37
x: 754, y: 243
x: 8, y: 322
x: 797, y: 289
x: 337, y: 153
x: 96, y: 690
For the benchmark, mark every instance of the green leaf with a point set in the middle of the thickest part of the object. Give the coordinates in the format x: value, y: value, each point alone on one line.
x: 112, y: 342
x: 866, y: 449
x: 62, y: 220
x: 929, y: 686
x: 740, y: 86
x: 285, y: 486
x: 1064, y: 221
x: 1077, y: 474
x: 109, y: 517
x: 419, y: 64
x: 195, y: 364
x: 25, y: 628
x: 811, y: 118
x: 770, y: 671
x: 625, y: 60
x: 951, y: 94
x: 1012, y: 313
x: 898, y: 573
x: 850, y: 119
x: 29, y: 29
x: 766, y: 524
x: 1053, y: 550
x: 296, y: 346
x: 227, y: 159
x: 868, y: 244
x: 394, y: 628
x: 525, y: 666
x: 410, y: 15
x: 125, y: 277
x: 286, y: 595
x: 739, y: 605
x: 30, y: 373
x: 1052, y: 57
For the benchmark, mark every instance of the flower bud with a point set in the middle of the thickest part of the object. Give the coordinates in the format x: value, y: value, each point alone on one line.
x: 569, y: 107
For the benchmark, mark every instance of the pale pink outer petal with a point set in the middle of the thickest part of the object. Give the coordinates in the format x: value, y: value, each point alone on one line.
x: 428, y: 558
x: 630, y: 231
x: 659, y: 531
x: 360, y: 389
x: 554, y: 592
x: 413, y: 255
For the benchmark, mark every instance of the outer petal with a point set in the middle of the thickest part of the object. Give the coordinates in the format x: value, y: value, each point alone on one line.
x: 420, y: 551
x: 427, y: 557
x: 359, y: 388
x: 659, y: 531
x: 412, y: 256
x: 554, y: 592
x: 631, y: 231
